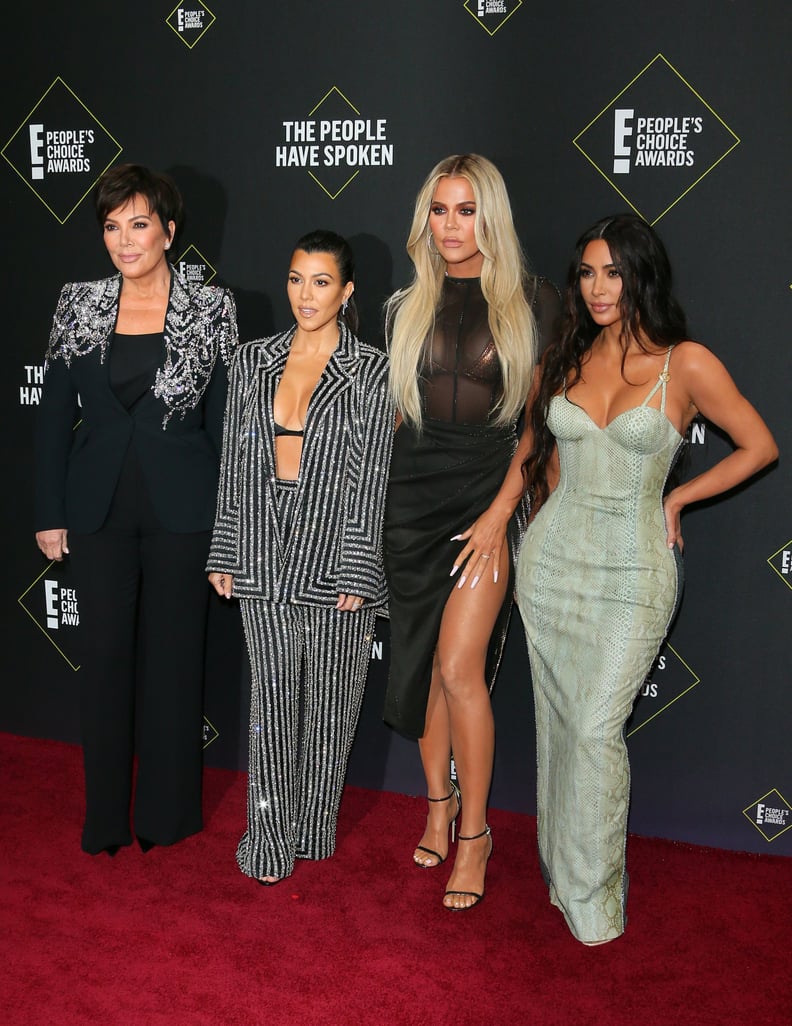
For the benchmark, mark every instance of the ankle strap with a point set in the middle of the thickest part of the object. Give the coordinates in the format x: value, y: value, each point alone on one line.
x: 474, y: 837
x: 450, y: 794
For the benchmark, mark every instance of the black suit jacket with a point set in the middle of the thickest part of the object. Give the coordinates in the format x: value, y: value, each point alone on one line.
x: 176, y: 428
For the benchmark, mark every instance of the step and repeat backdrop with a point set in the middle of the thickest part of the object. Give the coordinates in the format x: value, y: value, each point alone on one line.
x: 277, y: 118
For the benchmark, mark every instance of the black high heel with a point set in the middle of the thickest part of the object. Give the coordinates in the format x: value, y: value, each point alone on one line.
x: 454, y: 793
x: 471, y: 894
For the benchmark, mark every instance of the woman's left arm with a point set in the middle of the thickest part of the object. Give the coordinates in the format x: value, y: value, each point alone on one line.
x: 713, y: 393
x: 360, y: 565
x: 487, y: 548
x: 486, y: 537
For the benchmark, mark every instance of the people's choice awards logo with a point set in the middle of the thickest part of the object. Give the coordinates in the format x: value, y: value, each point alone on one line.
x: 51, y: 603
x: 190, y: 21
x: 669, y: 680
x: 194, y: 266
x: 656, y: 140
x: 335, y: 143
x: 771, y: 815
x: 781, y: 563
x: 60, y: 150
x: 492, y: 14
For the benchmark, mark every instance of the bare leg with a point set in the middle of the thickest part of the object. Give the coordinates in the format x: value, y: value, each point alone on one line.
x: 435, y: 748
x: 459, y: 717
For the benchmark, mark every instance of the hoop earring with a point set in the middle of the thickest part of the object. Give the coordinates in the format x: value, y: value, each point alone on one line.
x: 430, y: 245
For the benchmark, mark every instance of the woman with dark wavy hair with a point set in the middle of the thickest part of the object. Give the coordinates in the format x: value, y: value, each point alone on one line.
x: 599, y: 573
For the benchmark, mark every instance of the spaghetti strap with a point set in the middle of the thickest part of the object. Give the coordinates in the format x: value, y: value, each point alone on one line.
x: 662, y: 381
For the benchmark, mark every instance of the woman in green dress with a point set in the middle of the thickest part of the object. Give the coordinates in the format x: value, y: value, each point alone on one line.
x: 599, y: 572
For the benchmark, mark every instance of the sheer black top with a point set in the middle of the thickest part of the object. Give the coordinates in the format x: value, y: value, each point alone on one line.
x: 461, y: 379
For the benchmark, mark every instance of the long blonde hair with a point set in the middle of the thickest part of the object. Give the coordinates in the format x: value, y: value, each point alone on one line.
x: 410, y: 312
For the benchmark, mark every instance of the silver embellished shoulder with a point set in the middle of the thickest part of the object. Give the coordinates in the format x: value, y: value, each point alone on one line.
x: 200, y: 325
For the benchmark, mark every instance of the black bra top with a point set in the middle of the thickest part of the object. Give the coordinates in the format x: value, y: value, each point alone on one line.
x: 287, y: 432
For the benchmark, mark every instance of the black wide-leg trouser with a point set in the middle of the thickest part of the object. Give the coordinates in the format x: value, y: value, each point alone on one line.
x: 143, y: 598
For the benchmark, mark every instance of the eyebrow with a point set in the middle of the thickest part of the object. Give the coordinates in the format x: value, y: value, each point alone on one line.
x: 318, y: 274
x: 134, y: 217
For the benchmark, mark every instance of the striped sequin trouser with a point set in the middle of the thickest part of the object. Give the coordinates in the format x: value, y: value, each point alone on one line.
x: 308, y: 668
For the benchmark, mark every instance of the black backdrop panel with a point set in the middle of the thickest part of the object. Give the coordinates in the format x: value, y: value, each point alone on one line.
x: 278, y: 118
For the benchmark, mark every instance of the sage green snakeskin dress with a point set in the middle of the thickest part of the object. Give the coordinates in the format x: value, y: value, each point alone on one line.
x: 597, y: 588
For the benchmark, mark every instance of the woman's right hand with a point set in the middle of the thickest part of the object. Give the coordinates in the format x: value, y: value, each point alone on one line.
x: 223, y: 584
x: 54, y: 544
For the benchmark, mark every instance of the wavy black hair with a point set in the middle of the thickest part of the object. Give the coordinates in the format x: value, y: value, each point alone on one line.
x: 650, y: 314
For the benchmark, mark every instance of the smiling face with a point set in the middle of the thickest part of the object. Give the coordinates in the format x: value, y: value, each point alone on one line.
x: 600, y: 284
x: 315, y: 290
x: 136, y: 240
x: 452, y: 222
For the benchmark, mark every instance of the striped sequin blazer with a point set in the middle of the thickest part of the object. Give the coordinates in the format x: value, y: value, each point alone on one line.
x: 336, y: 542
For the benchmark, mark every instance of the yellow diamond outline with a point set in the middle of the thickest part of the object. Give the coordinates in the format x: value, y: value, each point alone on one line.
x: 29, y: 588
x: 481, y: 24
x: 788, y: 582
x: 334, y: 89
x: 200, y: 254
x: 696, y: 680
x: 197, y: 38
x: 325, y: 190
x: 216, y: 733
x: 333, y: 195
x: 27, y: 119
x: 773, y: 790
x: 610, y: 103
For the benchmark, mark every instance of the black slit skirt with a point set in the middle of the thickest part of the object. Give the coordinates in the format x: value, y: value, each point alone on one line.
x: 441, y: 480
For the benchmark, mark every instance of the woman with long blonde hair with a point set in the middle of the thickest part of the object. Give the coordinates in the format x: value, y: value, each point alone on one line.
x: 462, y: 339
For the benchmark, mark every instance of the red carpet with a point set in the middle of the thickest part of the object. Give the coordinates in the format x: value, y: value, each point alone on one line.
x: 178, y: 936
